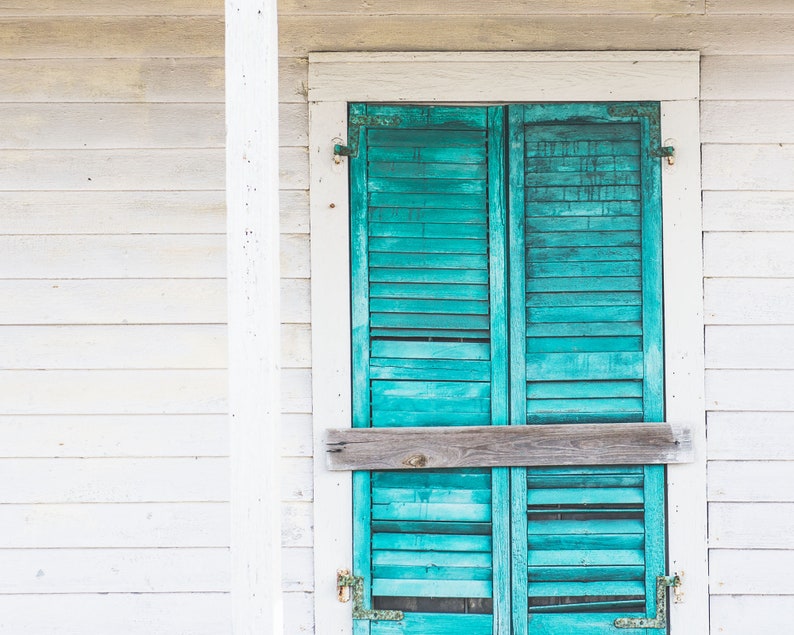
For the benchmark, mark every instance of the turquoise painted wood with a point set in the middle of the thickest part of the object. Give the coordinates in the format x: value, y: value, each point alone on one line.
x: 506, y: 270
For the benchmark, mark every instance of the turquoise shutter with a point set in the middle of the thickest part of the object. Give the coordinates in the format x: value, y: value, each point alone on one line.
x: 586, y: 347
x: 426, y: 266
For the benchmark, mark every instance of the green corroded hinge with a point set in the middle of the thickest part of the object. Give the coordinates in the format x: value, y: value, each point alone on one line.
x: 354, y: 126
x: 660, y: 621
x: 356, y: 582
x: 652, y: 114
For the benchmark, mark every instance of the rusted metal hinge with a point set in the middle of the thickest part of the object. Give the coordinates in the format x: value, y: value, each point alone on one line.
x: 660, y: 621
x: 651, y: 113
x: 354, y: 125
x: 344, y: 581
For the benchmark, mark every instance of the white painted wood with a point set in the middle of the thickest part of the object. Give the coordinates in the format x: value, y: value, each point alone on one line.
x: 751, y: 481
x: 296, y: 480
x: 748, y: 211
x: 747, y: 121
x: 104, y: 256
x: 175, y: 212
x: 296, y: 391
x: 111, y: 36
x: 294, y: 211
x: 131, y: 614
x: 294, y: 168
x: 751, y: 77
x: 80, y: 126
x: 112, y: 392
x: 295, y: 301
x: 748, y: 167
x: 745, y: 8
x: 550, y: 76
x: 748, y: 255
x: 295, y: 261
x: 748, y: 301
x: 158, y: 169
x: 298, y: 613
x: 296, y: 346
x: 298, y: 573
x: 297, y: 524
x: 296, y: 435
x: 750, y: 390
x: 415, y: 77
x: 114, y: 480
x: 112, y: 80
x: 115, y: 525
x: 116, y: 301
x: 114, y: 347
x: 712, y: 35
x: 77, y: 436
x: 114, y: 570
x: 293, y: 124
x: 757, y: 347
x: 9, y: 8
x: 751, y: 526
x: 293, y: 82
x: 748, y: 615
x: 751, y: 435
x: 737, y: 572
x: 255, y: 380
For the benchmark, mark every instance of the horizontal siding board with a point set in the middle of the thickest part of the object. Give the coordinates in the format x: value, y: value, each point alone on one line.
x: 748, y: 301
x: 78, y: 436
x: 747, y: 122
x: 296, y: 435
x: 748, y: 211
x: 741, y: 7
x: 742, y: 572
x: 757, y: 390
x: 748, y: 614
x: 114, y: 570
x: 295, y: 301
x: 293, y: 79
x: 111, y: 36
x: 113, y: 391
x: 128, y: 613
x: 112, y: 80
x: 750, y: 347
x: 114, y: 525
x: 751, y: 525
x: 751, y: 481
x: 149, y: 169
x: 112, y: 7
x: 104, y: 256
x: 751, y: 435
x: 744, y: 76
x: 762, y: 167
x: 298, y: 570
x: 174, y: 212
x: 295, y: 261
x: 114, y: 480
x: 297, y: 524
x: 117, y: 301
x: 748, y: 254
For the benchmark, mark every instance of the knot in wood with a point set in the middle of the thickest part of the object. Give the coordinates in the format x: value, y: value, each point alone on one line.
x: 416, y: 460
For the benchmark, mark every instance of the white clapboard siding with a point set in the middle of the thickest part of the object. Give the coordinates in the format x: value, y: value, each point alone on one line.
x: 117, y: 613
x: 119, y: 301
x: 114, y: 570
x: 751, y: 614
x: 712, y: 35
x: 149, y: 169
x: 748, y: 77
x: 114, y: 480
x: 296, y: 346
x: 91, y: 525
x: 294, y: 168
x: 116, y: 347
x: 295, y: 301
x: 751, y: 435
x: 294, y: 206
x: 748, y: 254
x: 748, y: 211
x: 756, y: 347
x: 293, y: 124
x: 473, y: 7
x: 296, y: 480
x: 748, y: 167
x: 751, y: 481
x: 111, y: 7
x: 298, y: 613
x: 174, y: 212
x: 295, y: 256
x: 747, y: 122
x: 112, y: 80
x: 738, y: 572
x: 744, y: 7
x: 298, y: 570
x: 750, y: 390
x: 296, y: 394
x: 757, y: 525
x: 748, y: 301
x: 95, y: 125
x: 77, y: 436
x: 296, y: 435
x: 112, y: 391
x: 111, y: 36
x: 293, y: 79
x: 104, y: 256
x: 297, y: 524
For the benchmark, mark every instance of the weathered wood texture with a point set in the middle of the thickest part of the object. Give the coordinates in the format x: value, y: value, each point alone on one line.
x: 505, y: 446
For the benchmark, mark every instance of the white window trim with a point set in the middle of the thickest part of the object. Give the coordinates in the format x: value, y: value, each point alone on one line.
x: 672, y: 78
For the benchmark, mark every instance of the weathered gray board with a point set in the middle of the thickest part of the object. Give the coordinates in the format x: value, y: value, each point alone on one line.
x: 506, y: 446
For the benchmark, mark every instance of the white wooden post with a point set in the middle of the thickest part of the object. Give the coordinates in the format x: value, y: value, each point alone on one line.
x: 254, y: 319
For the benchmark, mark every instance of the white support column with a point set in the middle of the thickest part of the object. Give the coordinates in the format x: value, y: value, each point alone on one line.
x: 254, y: 314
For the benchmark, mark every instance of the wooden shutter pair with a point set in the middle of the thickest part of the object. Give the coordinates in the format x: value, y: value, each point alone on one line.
x: 506, y: 290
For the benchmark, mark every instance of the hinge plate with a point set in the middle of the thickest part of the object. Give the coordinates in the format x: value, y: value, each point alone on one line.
x: 660, y: 621
x: 356, y: 583
x: 354, y: 125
